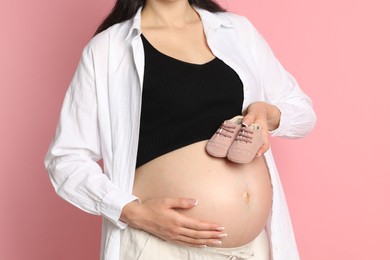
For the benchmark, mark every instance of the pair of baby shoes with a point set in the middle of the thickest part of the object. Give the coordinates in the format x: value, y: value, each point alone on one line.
x: 236, y: 142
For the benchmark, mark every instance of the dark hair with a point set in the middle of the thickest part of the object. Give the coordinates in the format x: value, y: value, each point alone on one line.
x: 126, y: 9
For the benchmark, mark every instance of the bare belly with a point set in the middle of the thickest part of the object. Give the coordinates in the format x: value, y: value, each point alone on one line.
x: 236, y: 196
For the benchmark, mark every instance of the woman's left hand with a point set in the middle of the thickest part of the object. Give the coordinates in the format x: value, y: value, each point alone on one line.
x: 265, y: 115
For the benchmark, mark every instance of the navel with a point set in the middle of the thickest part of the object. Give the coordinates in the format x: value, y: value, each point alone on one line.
x: 246, y: 196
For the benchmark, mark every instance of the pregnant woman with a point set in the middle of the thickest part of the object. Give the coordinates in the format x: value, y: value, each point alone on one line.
x: 154, y: 84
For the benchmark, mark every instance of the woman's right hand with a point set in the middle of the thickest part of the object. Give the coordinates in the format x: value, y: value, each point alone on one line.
x: 159, y: 217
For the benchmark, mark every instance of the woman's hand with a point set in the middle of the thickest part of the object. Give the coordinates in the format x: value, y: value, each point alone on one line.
x: 265, y: 115
x: 159, y: 217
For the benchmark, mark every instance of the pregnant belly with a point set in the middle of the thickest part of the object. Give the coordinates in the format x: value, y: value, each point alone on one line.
x: 236, y: 196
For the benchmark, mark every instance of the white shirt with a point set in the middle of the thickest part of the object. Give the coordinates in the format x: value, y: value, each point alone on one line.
x: 100, y: 119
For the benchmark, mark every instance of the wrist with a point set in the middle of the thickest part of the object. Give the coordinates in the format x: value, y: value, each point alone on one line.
x: 274, y: 115
x: 129, y: 211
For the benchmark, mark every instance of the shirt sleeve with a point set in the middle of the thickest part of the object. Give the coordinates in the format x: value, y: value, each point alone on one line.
x: 71, y: 160
x: 282, y: 90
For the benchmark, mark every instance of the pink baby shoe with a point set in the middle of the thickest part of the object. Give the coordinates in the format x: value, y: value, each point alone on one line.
x: 246, y: 144
x: 219, y: 143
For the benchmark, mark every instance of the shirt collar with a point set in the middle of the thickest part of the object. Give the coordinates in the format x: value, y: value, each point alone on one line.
x: 213, y: 20
x: 136, y: 23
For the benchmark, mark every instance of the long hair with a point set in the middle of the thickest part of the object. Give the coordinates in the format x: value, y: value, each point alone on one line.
x: 126, y: 9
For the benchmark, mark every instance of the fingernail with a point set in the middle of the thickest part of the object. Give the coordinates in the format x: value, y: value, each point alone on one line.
x: 222, y: 235
x: 220, y: 228
x: 195, y: 202
x: 202, y: 246
x: 217, y: 242
x: 244, y: 124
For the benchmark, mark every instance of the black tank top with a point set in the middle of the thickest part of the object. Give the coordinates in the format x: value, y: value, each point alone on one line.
x: 183, y: 103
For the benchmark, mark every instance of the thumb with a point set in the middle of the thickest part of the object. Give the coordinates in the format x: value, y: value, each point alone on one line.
x: 248, y: 119
x: 182, y: 203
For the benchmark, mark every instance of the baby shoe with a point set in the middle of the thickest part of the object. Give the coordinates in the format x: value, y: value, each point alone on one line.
x: 246, y: 144
x: 220, y: 142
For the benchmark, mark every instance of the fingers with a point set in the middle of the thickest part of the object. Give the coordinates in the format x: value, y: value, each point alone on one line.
x: 203, y: 234
x: 262, y: 150
x: 265, y: 145
x: 161, y: 219
x: 180, y: 203
x: 196, y: 232
x: 197, y: 225
x: 199, y: 242
x: 199, y: 238
x: 255, y: 111
x: 258, y: 116
x: 248, y: 119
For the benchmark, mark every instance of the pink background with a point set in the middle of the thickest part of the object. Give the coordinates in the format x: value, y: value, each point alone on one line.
x: 336, y: 180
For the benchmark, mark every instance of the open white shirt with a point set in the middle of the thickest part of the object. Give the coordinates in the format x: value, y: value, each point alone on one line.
x: 100, y: 119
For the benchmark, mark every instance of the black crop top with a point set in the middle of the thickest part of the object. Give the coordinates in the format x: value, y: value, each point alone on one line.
x: 183, y: 103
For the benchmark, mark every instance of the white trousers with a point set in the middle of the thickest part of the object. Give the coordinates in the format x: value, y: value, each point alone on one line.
x: 137, y: 244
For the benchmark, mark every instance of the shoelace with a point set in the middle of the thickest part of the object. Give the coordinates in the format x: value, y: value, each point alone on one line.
x: 225, y: 129
x: 245, y: 135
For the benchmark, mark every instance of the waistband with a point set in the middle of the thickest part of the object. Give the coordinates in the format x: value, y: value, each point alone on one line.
x: 234, y: 253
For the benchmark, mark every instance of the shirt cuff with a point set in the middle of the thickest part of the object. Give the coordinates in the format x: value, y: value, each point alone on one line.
x: 286, y: 120
x: 112, y: 205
